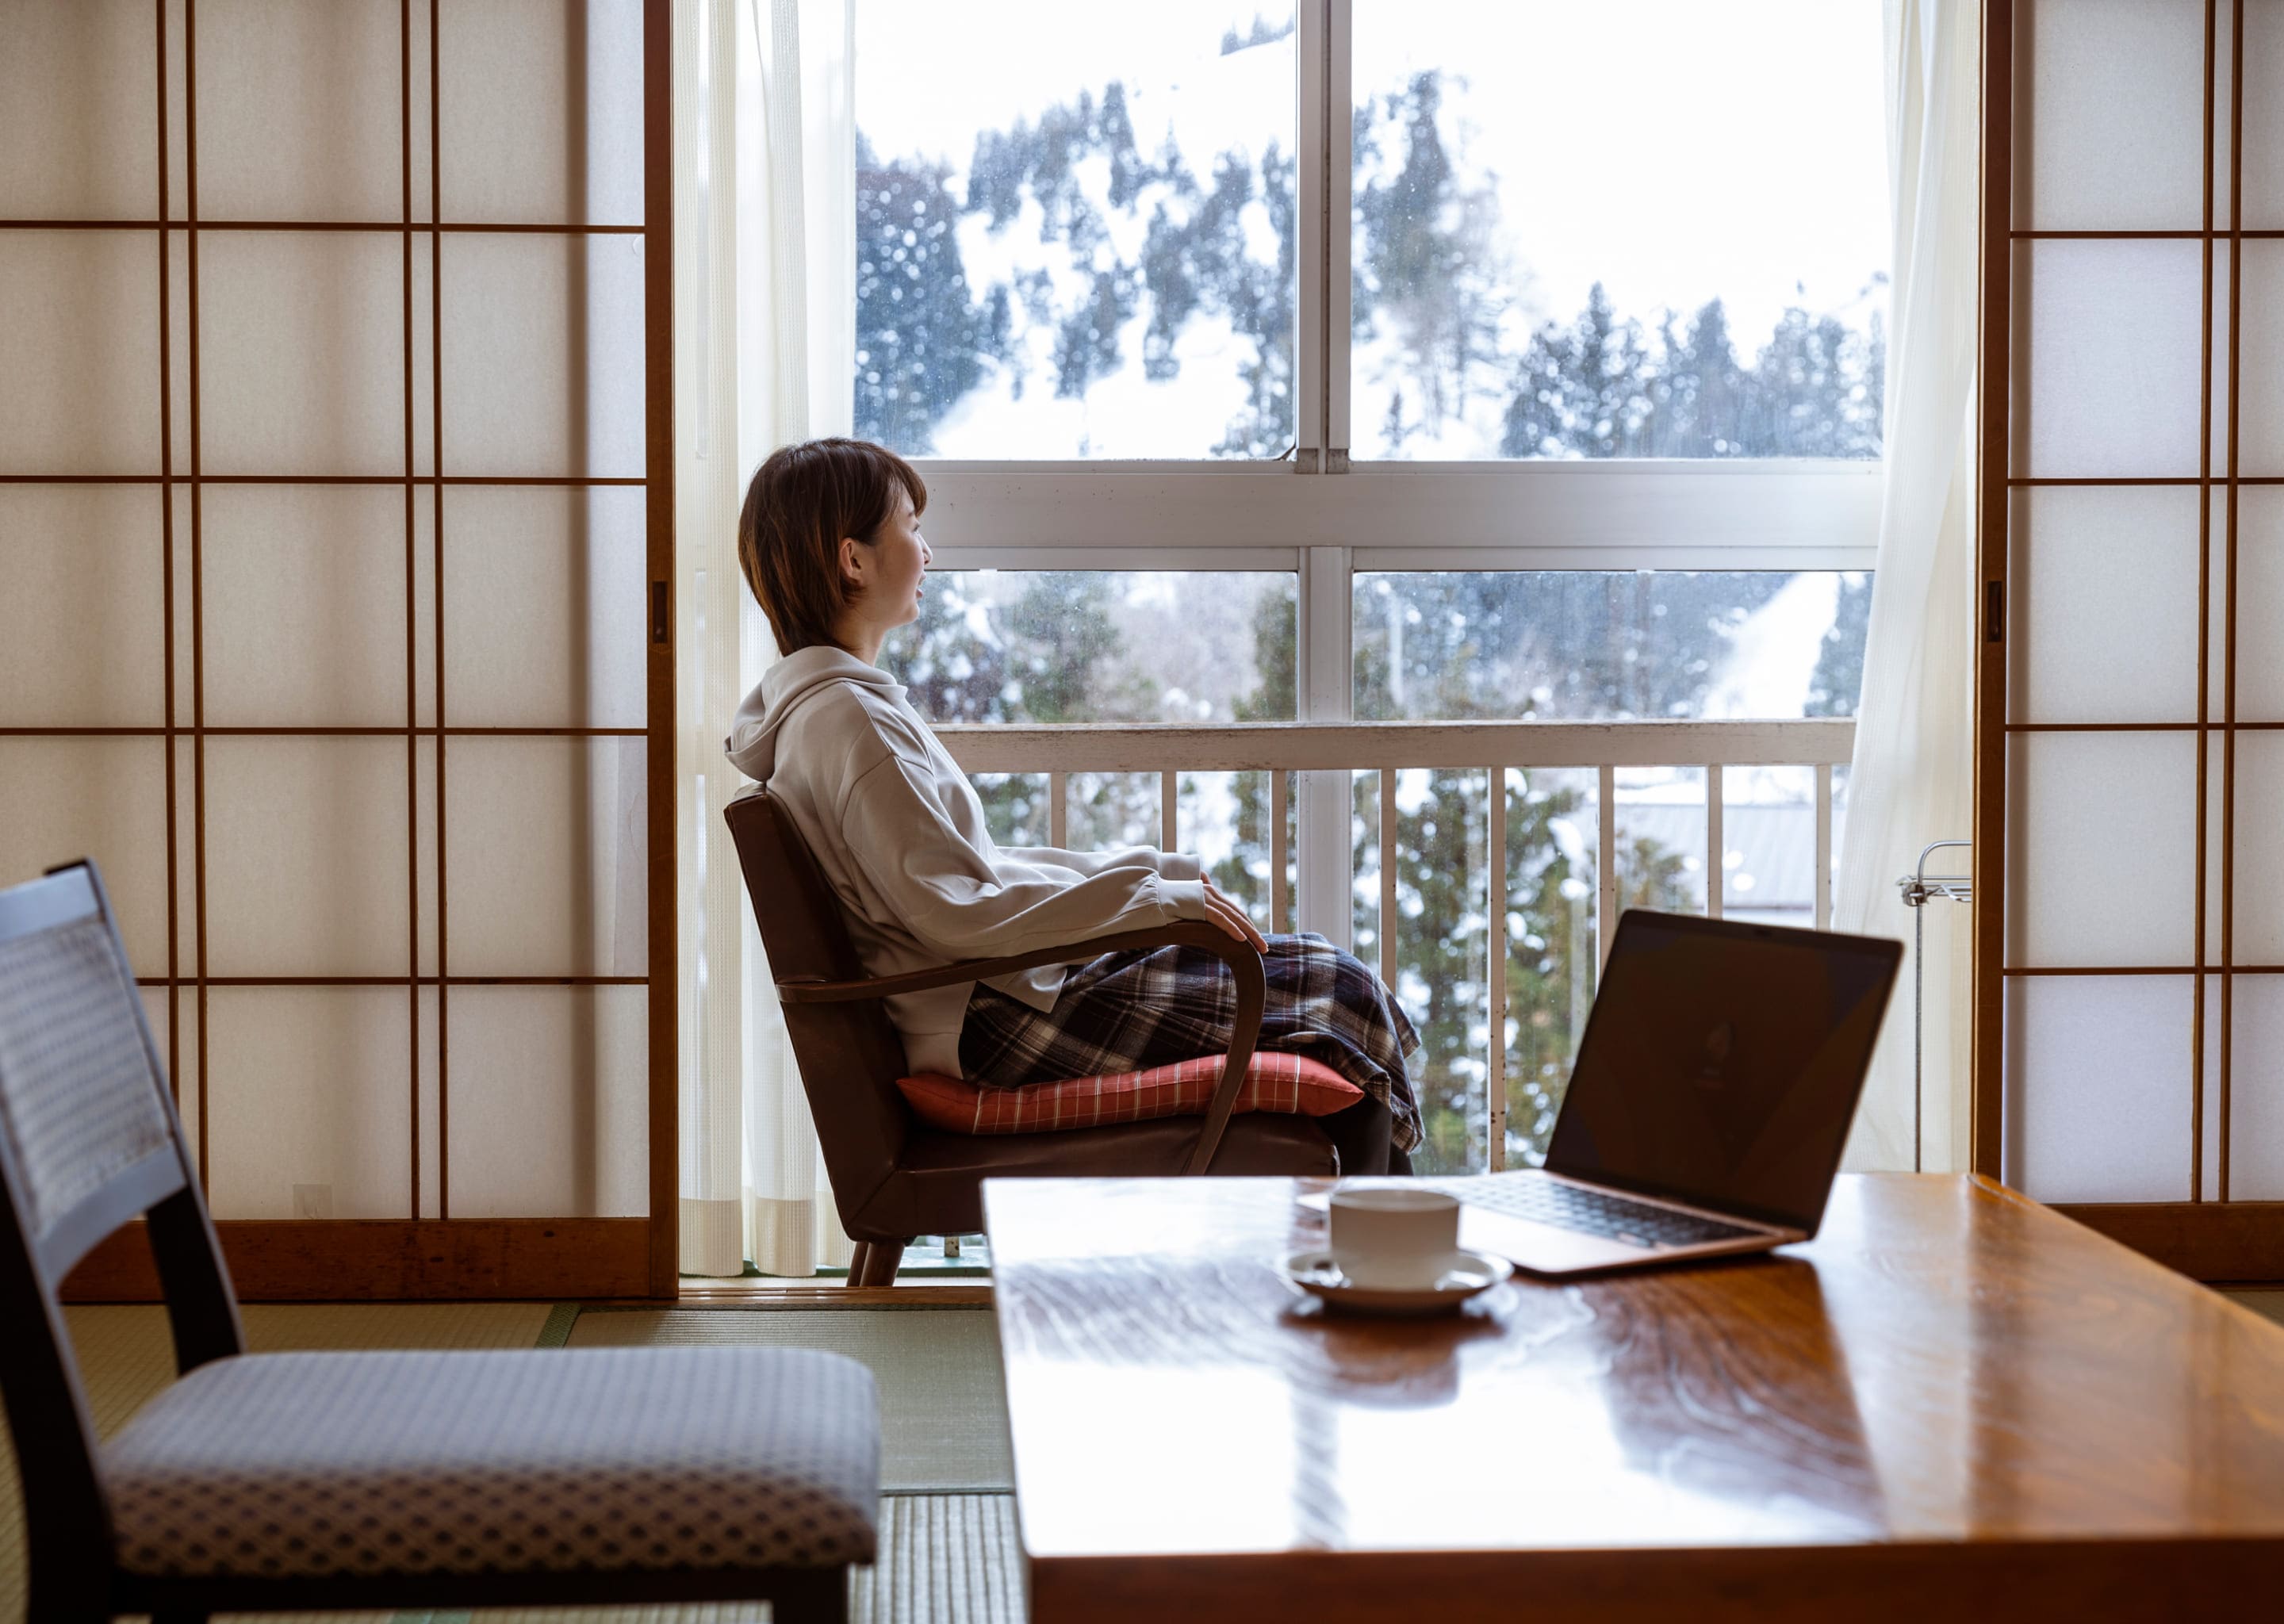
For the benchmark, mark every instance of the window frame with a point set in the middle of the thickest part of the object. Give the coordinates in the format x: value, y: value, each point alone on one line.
x: 1326, y: 518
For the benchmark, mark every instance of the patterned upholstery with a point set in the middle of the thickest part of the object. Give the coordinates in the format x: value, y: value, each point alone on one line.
x: 300, y: 1465
x: 1289, y: 1083
x: 78, y: 1101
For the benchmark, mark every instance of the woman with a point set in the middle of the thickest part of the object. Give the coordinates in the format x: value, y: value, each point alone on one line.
x: 830, y: 543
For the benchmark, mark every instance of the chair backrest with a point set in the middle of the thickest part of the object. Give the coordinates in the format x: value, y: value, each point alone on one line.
x: 850, y: 1055
x: 88, y: 1141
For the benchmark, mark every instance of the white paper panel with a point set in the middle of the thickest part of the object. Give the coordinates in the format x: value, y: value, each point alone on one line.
x: 79, y: 111
x: 2208, y: 1153
x: 2259, y: 876
x: 2101, y: 832
x: 544, y: 355
x: 2114, y: 359
x: 2264, y: 112
x: 301, y: 364
x: 2259, y: 603
x: 309, y: 1094
x: 2098, y: 1085
x: 306, y: 856
x: 299, y: 110
x: 2255, y: 1101
x: 82, y: 617
x: 304, y: 593
x: 79, y: 352
x: 550, y: 1089
x: 2260, y: 361
x: 2115, y: 116
x: 99, y: 798
x: 546, y: 857
x: 431, y: 1122
x: 2222, y: 270
x: 546, y: 621
x: 2216, y: 800
x: 2104, y: 591
x: 543, y: 103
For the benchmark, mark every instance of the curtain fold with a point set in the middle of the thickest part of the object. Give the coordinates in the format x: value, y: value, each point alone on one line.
x: 1912, y: 781
x: 765, y: 285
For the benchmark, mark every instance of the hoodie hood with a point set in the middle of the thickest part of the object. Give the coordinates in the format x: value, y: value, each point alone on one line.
x: 753, y: 741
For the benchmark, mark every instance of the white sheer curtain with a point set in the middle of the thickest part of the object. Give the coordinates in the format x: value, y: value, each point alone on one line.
x: 765, y: 324
x: 1911, y: 779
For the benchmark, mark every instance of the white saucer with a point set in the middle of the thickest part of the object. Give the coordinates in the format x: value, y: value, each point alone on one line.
x: 1466, y: 1274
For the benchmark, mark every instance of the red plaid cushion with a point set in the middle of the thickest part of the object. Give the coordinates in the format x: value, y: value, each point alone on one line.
x: 1294, y: 1084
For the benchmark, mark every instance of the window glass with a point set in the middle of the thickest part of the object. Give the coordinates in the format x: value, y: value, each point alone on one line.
x: 1575, y: 645
x: 1638, y: 228
x: 1100, y: 645
x: 1076, y: 229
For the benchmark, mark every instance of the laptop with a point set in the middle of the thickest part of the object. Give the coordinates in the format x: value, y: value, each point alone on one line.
x: 1712, y: 1093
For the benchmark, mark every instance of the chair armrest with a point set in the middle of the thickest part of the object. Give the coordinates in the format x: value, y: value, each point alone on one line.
x: 1243, y: 959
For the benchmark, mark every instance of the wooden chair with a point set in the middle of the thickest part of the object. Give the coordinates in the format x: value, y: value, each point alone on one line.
x: 297, y: 1482
x: 894, y: 1178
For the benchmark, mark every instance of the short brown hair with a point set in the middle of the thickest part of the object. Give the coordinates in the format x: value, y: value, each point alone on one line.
x: 802, y: 500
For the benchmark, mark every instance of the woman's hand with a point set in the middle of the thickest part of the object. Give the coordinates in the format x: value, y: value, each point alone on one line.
x: 1231, y: 916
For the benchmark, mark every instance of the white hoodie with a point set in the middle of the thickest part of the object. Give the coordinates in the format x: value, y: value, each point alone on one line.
x: 899, y: 832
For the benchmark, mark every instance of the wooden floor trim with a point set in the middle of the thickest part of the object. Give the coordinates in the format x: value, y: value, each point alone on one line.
x: 395, y: 1260
x: 2236, y: 1242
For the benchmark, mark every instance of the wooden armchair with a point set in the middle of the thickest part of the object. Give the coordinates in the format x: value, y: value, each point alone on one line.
x: 289, y: 1482
x: 894, y: 1178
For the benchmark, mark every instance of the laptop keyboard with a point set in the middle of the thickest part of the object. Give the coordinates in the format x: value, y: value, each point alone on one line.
x: 1594, y: 1212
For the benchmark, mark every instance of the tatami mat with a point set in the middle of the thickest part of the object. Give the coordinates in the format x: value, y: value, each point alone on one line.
x: 945, y: 1558
x: 943, y: 1418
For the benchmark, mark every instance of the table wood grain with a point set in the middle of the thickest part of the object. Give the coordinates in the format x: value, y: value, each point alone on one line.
x: 1952, y: 1396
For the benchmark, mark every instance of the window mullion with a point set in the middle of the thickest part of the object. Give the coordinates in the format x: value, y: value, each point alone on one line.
x: 1326, y: 694
x: 1311, y: 140
x: 1338, y: 145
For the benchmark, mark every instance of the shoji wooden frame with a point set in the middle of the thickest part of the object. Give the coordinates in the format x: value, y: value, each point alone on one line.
x: 415, y: 1256
x: 2210, y: 1235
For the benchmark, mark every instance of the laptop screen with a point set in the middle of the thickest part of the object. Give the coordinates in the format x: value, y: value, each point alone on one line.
x: 1722, y: 1064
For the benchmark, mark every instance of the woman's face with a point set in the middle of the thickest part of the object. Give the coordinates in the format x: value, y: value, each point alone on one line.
x: 890, y: 568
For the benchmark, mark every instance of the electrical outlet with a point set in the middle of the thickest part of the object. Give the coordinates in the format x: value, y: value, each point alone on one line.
x: 313, y: 1200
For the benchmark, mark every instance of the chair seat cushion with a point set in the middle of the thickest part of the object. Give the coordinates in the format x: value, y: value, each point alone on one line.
x: 283, y: 1465
x: 1292, y: 1084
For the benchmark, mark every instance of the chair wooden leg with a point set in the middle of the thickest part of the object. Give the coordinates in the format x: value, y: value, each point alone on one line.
x: 881, y: 1268
x: 859, y: 1261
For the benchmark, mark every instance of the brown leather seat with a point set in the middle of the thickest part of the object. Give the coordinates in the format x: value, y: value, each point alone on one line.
x: 894, y: 1178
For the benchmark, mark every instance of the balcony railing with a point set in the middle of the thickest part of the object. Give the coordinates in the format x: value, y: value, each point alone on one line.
x: 1323, y: 758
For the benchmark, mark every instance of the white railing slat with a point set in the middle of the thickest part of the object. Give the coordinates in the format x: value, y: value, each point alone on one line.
x: 1713, y: 853
x: 1387, y: 877
x: 1824, y: 846
x: 1059, y: 810
x: 1170, y: 837
x: 1495, y: 953
x: 1280, y: 916
x: 1605, y: 863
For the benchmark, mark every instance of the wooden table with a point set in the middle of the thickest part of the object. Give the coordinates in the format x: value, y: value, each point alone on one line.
x: 1953, y: 1398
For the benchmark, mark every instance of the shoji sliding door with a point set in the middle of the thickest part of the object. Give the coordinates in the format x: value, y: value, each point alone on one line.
x: 2131, y: 781
x: 332, y: 375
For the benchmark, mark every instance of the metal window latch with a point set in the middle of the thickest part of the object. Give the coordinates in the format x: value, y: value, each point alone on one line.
x: 1919, y: 889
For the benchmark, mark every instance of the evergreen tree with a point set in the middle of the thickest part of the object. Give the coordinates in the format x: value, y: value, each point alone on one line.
x: 920, y: 342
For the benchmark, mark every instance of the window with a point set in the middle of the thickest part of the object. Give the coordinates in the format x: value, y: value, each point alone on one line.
x: 1366, y: 359
x: 1565, y: 247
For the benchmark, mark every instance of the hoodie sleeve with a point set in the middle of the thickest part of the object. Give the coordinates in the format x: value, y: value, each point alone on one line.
x: 1167, y: 865
x: 955, y: 903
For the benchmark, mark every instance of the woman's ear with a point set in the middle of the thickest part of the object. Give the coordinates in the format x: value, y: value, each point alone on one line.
x: 852, y: 561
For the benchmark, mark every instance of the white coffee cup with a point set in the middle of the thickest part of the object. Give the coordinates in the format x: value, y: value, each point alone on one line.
x: 1390, y: 1238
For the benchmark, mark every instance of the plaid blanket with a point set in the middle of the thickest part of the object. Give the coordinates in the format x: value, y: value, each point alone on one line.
x: 1129, y: 1011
